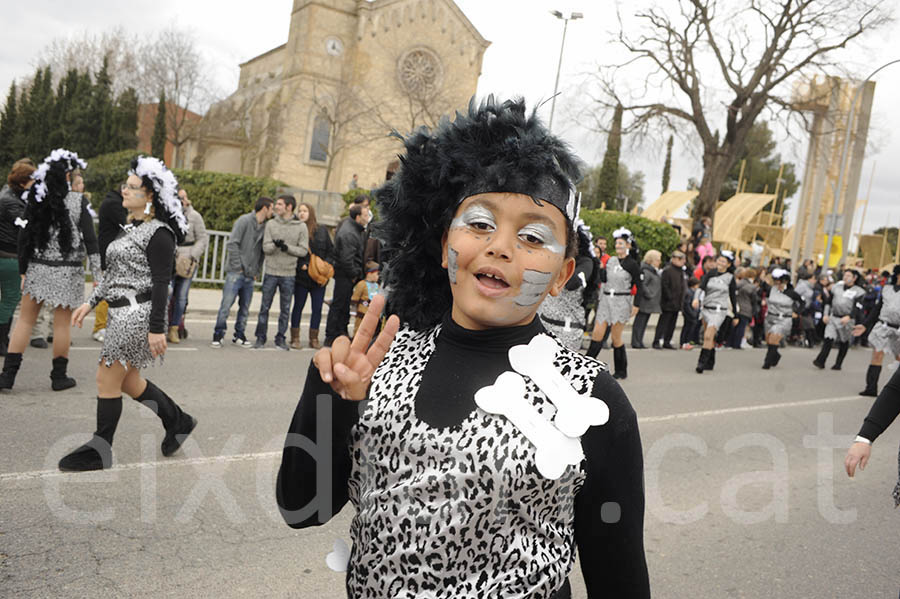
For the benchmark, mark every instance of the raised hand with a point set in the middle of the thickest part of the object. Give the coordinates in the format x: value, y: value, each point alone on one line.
x: 348, y: 367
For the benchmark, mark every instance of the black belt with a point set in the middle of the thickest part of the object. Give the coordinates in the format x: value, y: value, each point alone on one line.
x: 560, y: 323
x: 893, y: 326
x: 716, y: 308
x: 121, y: 302
x: 56, y: 262
x: 777, y: 315
x: 615, y: 292
x: 186, y: 244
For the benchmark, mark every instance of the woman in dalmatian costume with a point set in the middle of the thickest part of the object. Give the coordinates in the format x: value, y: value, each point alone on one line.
x: 616, y: 306
x: 57, y: 234
x: 782, y: 303
x: 884, y: 325
x: 564, y: 314
x: 839, y: 316
x: 716, y: 299
x: 139, y: 264
x: 485, y: 452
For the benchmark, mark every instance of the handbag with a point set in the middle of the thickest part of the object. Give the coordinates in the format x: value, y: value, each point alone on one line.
x: 185, y: 266
x: 319, y: 270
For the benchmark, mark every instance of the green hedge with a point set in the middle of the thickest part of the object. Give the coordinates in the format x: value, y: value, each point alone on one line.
x: 649, y: 234
x: 221, y: 198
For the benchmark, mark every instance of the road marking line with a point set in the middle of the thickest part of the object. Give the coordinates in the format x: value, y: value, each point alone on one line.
x: 739, y: 410
x: 244, y: 457
x: 97, y: 348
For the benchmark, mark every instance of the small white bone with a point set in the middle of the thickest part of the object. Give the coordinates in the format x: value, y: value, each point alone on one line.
x: 339, y: 558
x: 574, y: 412
x: 553, y: 450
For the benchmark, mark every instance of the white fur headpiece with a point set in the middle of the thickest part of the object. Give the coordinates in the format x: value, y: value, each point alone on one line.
x: 165, y: 185
x: 623, y: 233
x: 40, y: 174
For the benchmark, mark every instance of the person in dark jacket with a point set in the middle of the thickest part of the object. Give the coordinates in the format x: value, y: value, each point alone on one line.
x: 112, y: 217
x: 348, y: 267
x: 319, y: 244
x: 673, y: 287
x: 747, y: 295
x: 648, y: 302
x: 11, y: 208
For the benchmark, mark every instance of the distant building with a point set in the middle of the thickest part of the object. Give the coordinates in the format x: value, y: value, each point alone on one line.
x: 316, y: 110
x: 147, y: 121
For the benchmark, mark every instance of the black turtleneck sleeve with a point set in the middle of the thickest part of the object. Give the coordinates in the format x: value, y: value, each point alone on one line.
x: 884, y: 411
x: 161, y: 257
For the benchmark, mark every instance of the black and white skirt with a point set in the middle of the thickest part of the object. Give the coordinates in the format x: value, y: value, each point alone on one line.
x: 126, y: 336
x: 884, y: 338
x: 55, y: 286
x: 837, y: 330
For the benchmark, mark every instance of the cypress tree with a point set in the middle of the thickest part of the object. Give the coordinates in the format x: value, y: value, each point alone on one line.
x: 8, y: 126
x: 608, y: 183
x: 102, y: 108
x: 30, y: 107
x: 126, y: 112
x: 158, y: 141
x: 667, y: 169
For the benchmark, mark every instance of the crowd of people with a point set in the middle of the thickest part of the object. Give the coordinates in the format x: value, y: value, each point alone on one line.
x: 474, y: 468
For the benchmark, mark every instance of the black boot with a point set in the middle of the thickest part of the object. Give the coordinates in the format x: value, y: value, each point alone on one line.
x: 59, y: 381
x: 594, y: 350
x: 620, y: 360
x: 10, y: 368
x: 178, y: 424
x: 771, y: 351
x: 819, y: 362
x: 842, y: 352
x: 702, y: 360
x: 96, y: 454
x: 711, y: 359
x: 4, y: 338
x: 872, y: 375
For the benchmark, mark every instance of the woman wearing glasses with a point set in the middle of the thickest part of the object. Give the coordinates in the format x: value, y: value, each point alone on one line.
x: 57, y: 233
x: 136, y: 286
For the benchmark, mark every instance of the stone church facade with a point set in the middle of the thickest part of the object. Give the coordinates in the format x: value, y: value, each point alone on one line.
x: 318, y: 109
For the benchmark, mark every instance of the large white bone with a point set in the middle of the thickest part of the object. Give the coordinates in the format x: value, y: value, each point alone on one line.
x: 553, y: 450
x: 574, y: 412
x: 339, y: 558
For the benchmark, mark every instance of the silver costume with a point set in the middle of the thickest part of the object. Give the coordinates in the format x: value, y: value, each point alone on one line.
x: 563, y: 315
x: 779, y: 317
x: 128, y: 277
x: 885, y: 335
x: 615, y: 302
x: 717, y: 299
x: 55, y: 278
x: 843, y: 301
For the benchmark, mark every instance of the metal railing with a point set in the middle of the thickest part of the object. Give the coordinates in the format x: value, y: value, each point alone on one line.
x: 212, y: 265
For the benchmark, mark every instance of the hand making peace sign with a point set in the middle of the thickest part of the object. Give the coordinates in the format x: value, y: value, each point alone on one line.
x: 348, y: 367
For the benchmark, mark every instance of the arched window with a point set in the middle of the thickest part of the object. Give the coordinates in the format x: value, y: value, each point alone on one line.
x: 321, y: 133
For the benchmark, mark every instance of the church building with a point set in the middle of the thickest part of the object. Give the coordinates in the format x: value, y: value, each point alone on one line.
x: 320, y: 108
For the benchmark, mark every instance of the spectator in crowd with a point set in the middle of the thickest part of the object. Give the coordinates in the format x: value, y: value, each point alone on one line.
x: 354, y: 182
x: 747, y: 295
x: 243, y: 264
x: 187, y: 257
x: 673, y: 285
x: 690, y: 331
x: 285, y: 240
x: 600, y: 246
x: 320, y: 245
x: 12, y: 206
x: 707, y: 265
x: 648, y: 302
x: 703, y: 228
x: 112, y: 217
x: 761, y: 305
x: 364, y: 292
x: 705, y: 248
x: 360, y: 200
x: 348, y: 265
x: 806, y: 289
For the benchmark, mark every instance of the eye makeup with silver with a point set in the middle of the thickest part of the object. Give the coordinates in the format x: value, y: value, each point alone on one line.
x: 473, y: 216
x: 542, y: 236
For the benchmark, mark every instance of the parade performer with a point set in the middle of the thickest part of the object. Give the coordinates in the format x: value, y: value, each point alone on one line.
x: 486, y: 451
x: 883, y: 412
x: 716, y: 293
x: 782, y: 303
x: 57, y: 233
x: 621, y: 273
x: 564, y: 314
x: 139, y: 265
x: 838, y: 315
x: 883, y: 325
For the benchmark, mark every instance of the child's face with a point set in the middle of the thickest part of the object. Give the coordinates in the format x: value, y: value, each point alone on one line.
x: 372, y: 276
x: 504, y: 254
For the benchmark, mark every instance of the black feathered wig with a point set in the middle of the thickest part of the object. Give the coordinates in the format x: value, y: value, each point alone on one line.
x: 494, y: 147
x: 45, y: 208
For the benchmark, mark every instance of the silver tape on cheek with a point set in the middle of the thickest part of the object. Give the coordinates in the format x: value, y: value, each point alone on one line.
x: 472, y: 214
x: 534, y: 284
x: 451, y: 264
x: 544, y: 232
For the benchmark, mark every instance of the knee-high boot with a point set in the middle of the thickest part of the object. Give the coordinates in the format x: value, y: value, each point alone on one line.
x: 178, y: 423
x: 842, y: 352
x: 594, y: 350
x: 96, y: 454
x: 819, y: 362
x: 703, y: 360
x: 11, y: 365
x: 620, y: 361
x: 711, y: 359
x: 771, y: 359
x: 59, y: 380
x: 872, y: 375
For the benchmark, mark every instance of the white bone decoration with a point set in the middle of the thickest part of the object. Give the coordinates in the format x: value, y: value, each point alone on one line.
x: 339, y: 558
x: 574, y: 412
x: 553, y: 450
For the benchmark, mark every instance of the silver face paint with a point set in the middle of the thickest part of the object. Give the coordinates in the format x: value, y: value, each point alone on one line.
x: 545, y: 234
x: 452, y: 267
x: 534, y: 284
x: 476, y: 213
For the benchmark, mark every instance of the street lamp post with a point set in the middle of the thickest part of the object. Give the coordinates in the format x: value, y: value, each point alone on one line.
x: 847, y: 134
x: 572, y: 17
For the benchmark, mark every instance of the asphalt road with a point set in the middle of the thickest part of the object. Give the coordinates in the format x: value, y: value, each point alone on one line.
x: 746, y: 495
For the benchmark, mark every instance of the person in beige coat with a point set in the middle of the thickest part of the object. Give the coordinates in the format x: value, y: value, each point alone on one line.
x: 193, y: 247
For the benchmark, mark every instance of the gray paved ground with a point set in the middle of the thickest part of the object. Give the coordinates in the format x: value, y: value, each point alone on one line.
x: 740, y: 503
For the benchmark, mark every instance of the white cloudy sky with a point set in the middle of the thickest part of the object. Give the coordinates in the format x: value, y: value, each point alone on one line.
x: 521, y: 60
